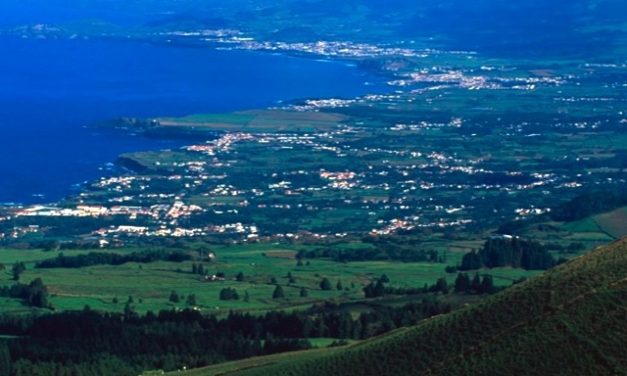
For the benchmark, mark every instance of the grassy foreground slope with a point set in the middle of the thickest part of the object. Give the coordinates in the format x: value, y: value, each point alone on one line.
x: 568, y: 321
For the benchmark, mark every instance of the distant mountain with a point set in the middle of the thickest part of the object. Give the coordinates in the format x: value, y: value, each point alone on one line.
x: 594, y: 29
x: 568, y: 321
x: 516, y: 28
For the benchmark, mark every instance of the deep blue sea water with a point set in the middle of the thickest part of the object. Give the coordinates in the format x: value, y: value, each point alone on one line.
x: 51, y: 89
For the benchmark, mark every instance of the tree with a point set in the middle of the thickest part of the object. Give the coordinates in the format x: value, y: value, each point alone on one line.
x: 475, y: 285
x: 462, y: 283
x: 191, y: 300
x: 451, y: 269
x: 374, y: 290
x: 384, y: 278
x: 509, y: 251
x: 304, y: 293
x: 441, y: 286
x: 38, y: 294
x: 128, y: 311
x: 278, y: 293
x: 325, y: 284
x: 246, y: 296
x: 239, y: 277
x: 174, y: 297
x: 338, y: 286
x: 379, y: 288
x: 228, y: 294
x: 487, y: 284
x: 5, y: 359
x: 308, y: 327
x: 17, y: 270
x: 290, y: 278
x: 471, y: 261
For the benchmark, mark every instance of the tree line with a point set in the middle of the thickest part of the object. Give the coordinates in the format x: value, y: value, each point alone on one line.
x: 94, y: 343
x: 372, y: 254
x: 463, y: 284
x: 514, y: 252
x: 106, y: 258
x: 34, y: 294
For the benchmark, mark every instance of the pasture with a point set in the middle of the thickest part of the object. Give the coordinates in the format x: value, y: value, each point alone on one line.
x: 148, y: 286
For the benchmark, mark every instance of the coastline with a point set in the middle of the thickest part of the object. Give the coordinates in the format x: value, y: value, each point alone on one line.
x: 177, y: 135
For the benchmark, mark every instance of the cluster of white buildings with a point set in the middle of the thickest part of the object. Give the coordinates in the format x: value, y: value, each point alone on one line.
x: 176, y: 210
x: 17, y: 232
x: 525, y: 212
x: 458, y: 78
x: 250, y: 231
x: 222, y: 144
x: 332, y: 49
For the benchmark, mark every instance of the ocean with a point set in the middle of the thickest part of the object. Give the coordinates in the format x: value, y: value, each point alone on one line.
x: 50, y: 90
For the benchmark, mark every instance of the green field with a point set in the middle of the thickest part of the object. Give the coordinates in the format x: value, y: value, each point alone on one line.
x: 590, y: 232
x: 613, y: 224
x: 150, y: 284
x: 570, y: 320
x: 108, y: 288
x: 261, y: 121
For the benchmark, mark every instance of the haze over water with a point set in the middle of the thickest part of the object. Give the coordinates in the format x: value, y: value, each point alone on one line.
x: 50, y: 89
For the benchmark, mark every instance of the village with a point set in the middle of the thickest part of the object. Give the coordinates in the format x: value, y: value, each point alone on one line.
x: 232, y: 186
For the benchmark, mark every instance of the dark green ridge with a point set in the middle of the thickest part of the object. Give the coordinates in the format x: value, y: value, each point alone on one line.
x: 567, y: 321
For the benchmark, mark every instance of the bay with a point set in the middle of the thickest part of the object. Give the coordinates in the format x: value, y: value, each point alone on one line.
x: 51, y: 89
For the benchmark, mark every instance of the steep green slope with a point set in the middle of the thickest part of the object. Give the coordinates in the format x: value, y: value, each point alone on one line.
x: 568, y: 321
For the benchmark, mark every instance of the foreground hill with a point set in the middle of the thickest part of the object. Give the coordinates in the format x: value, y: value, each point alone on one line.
x: 570, y: 321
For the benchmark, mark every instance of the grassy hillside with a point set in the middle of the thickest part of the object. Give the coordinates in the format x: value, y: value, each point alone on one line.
x: 150, y: 284
x: 568, y: 321
x: 588, y: 232
x: 613, y: 223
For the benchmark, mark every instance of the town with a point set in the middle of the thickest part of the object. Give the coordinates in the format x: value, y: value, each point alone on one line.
x: 350, y: 179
